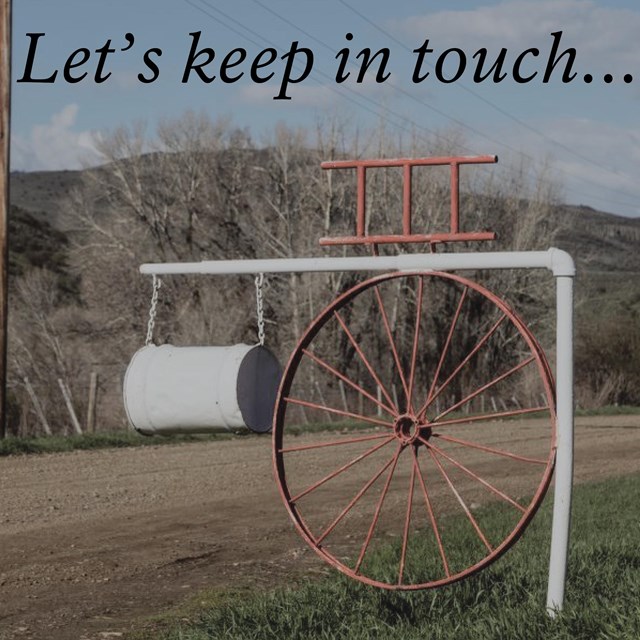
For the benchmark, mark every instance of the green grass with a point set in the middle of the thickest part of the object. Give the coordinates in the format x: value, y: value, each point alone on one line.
x: 505, y: 601
x: 55, y: 444
x: 611, y: 410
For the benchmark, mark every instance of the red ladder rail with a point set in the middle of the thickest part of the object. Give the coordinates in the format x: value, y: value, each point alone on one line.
x: 454, y: 234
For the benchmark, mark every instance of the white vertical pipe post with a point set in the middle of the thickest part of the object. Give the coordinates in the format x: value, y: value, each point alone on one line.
x: 564, y: 452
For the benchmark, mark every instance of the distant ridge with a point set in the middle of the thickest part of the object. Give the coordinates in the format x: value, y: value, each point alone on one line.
x: 603, y: 241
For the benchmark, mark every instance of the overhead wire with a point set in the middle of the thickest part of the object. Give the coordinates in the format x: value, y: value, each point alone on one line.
x: 405, y: 124
x: 502, y: 111
x: 343, y: 91
x: 502, y: 144
x: 402, y: 122
x: 440, y: 112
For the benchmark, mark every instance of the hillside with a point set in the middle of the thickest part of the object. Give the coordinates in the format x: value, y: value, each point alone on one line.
x: 604, y: 245
x: 603, y: 240
x: 600, y: 242
x: 41, y: 193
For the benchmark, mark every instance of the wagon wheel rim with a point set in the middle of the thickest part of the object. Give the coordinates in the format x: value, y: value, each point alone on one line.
x: 412, y: 435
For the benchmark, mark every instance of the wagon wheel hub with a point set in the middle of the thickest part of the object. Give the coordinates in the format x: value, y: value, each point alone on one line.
x: 408, y: 429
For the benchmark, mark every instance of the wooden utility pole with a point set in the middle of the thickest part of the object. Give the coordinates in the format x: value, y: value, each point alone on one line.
x: 5, y: 119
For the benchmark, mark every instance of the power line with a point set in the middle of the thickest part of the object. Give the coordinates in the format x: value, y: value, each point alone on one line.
x: 408, y: 124
x: 499, y: 109
x: 609, y: 201
x: 447, y: 116
x: 331, y: 87
x: 395, y: 87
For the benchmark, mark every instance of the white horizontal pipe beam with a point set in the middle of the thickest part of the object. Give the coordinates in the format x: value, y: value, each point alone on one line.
x: 555, y: 260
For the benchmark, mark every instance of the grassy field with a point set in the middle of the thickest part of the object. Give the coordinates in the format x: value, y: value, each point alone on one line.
x: 506, y: 601
x: 108, y: 440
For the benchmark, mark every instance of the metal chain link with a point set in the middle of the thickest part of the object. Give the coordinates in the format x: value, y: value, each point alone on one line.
x: 259, y: 281
x: 157, y: 283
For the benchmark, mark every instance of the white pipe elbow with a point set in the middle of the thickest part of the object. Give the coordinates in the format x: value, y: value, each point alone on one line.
x: 561, y: 263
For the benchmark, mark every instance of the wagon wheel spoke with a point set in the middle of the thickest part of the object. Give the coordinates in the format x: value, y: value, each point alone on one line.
x: 445, y: 349
x: 350, y: 382
x: 341, y: 469
x: 332, y: 443
x: 392, y: 344
x: 432, y: 518
x: 407, y: 523
x: 489, y: 416
x: 462, y: 364
x: 356, y: 498
x: 494, y: 450
x: 376, y: 514
x: 365, y: 361
x: 459, y: 498
x: 340, y: 412
x: 416, y: 336
x: 475, y: 476
x: 484, y: 387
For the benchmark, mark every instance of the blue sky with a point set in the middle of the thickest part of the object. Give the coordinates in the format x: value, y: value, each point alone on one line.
x: 590, y: 132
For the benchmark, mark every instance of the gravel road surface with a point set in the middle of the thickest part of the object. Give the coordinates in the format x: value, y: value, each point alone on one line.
x: 93, y: 542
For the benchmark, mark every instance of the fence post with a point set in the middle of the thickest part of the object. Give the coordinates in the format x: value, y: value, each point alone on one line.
x: 91, y: 409
x: 343, y: 395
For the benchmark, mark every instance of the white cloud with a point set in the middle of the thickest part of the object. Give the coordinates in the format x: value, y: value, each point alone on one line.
x: 602, y: 172
x: 614, y: 152
x: 125, y: 79
x: 54, y: 145
x: 606, y: 38
x: 320, y: 95
x: 301, y: 95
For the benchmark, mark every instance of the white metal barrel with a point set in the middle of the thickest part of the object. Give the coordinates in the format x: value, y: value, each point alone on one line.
x: 170, y: 390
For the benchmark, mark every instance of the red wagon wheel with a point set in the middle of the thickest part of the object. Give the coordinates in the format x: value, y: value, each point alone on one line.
x: 431, y: 414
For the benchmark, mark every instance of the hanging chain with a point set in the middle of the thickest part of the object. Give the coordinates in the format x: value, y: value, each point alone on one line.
x: 259, y: 281
x: 157, y: 283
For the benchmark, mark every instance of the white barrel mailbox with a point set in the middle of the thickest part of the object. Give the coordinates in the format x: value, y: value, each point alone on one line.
x: 169, y: 390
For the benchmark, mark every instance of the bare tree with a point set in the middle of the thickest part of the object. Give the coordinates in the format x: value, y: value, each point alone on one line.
x: 46, y: 339
x: 201, y: 189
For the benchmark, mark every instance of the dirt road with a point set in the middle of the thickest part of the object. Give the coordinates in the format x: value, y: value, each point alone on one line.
x: 93, y: 541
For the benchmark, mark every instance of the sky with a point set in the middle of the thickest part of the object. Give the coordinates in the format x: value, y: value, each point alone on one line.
x: 588, y: 132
